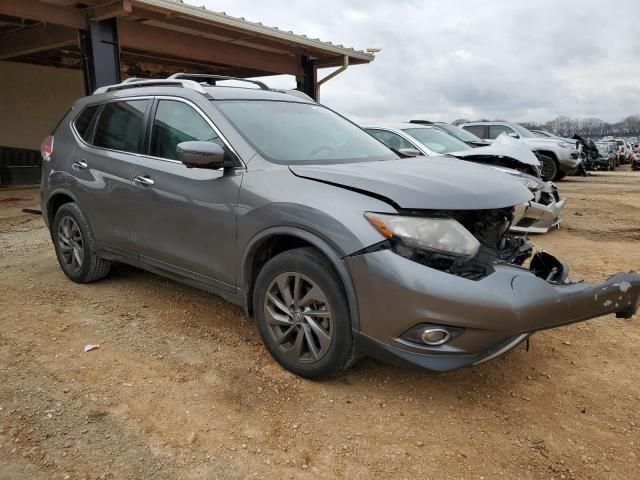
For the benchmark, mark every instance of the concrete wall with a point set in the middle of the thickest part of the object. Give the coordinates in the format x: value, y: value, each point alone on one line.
x: 33, y: 98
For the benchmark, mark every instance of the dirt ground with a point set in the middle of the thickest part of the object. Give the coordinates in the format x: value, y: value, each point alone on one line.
x: 181, y: 387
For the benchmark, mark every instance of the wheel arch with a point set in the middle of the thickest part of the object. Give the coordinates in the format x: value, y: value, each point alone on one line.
x: 56, y: 199
x: 272, y: 241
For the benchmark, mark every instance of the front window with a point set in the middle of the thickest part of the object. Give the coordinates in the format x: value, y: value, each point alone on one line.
x: 390, y: 139
x: 176, y: 122
x: 289, y: 132
x: 523, y: 132
x: 436, y: 140
x: 496, y: 130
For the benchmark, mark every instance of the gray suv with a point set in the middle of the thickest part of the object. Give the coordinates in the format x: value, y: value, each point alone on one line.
x: 331, y: 241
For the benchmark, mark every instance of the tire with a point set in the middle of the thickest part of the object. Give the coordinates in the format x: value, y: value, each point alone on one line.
x: 312, y: 346
x: 75, y: 246
x: 548, y: 168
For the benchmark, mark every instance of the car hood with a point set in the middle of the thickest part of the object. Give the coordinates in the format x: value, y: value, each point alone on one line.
x: 437, y: 183
x: 502, y: 146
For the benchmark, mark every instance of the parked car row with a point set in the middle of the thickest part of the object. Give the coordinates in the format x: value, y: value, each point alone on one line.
x: 334, y: 243
x: 506, y: 154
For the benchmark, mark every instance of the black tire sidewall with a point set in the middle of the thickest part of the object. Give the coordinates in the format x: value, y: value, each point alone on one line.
x: 305, y: 261
x: 73, y: 210
x: 545, y: 159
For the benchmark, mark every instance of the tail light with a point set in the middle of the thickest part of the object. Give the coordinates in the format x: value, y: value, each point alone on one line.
x: 621, y: 149
x: 46, y: 149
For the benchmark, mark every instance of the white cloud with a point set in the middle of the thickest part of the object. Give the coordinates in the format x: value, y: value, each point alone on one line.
x: 515, y: 60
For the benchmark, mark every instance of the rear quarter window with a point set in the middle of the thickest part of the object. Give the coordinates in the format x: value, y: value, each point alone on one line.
x: 83, y: 121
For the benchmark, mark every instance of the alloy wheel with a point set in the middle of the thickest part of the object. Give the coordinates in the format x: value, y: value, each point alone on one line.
x: 298, y: 317
x: 70, y: 244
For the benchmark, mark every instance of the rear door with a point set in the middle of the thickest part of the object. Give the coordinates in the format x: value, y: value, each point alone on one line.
x: 101, y: 170
x: 479, y: 131
x: 186, y: 217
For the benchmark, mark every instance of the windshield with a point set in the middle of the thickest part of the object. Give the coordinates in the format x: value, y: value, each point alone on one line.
x: 523, y: 132
x: 289, y: 132
x: 459, y: 133
x: 603, y: 149
x: 437, y: 140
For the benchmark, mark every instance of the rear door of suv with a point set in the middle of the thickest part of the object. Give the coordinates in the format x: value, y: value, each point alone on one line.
x: 185, y: 217
x: 101, y: 169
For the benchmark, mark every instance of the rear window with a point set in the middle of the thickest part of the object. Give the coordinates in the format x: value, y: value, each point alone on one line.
x: 121, y: 126
x: 83, y: 121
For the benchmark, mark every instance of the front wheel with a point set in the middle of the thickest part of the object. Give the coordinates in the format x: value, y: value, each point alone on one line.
x: 302, y: 314
x: 548, y: 168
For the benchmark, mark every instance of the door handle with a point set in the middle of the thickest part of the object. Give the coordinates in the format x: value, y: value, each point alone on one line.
x: 146, y: 181
x: 79, y: 165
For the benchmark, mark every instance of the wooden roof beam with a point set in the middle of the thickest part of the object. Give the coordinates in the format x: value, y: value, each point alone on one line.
x: 194, y: 47
x: 44, y: 12
x: 36, y: 39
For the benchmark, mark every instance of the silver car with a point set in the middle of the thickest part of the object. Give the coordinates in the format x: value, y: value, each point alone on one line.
x: 506, y: 154
x: 330, y: 241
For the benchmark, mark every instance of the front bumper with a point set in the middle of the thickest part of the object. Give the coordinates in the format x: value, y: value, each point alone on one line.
x: 568, y: 160
x: 497, y: 312
x: 542, y: 213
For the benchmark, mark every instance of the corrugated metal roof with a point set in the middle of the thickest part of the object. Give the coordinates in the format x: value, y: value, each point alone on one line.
x: 221, y: 18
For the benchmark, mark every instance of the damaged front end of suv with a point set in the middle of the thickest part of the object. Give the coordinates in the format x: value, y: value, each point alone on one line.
x: 449, y: 322
x: 448, y: 285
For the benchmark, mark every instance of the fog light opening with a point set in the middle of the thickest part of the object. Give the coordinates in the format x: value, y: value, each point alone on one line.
x: 435, y: 336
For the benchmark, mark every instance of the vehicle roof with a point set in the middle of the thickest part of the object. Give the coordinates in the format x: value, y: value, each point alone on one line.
x: 243, y: 93
x: 396, y: 126
x: 497, y: 122
x: 191, y: 83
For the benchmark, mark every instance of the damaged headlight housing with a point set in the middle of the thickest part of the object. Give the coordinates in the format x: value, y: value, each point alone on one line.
x: 530, y: 183
x: 443, y: 235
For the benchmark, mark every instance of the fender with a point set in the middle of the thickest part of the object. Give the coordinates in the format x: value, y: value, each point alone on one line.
x: 330, y: 251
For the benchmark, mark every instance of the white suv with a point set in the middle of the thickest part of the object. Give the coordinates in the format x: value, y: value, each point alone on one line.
x: 562, y: 156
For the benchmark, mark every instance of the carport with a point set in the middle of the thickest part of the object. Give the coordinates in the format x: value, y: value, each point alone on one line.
x: 54, y: 51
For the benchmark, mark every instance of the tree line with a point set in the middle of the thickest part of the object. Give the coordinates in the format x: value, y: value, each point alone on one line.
x: 585, y: 127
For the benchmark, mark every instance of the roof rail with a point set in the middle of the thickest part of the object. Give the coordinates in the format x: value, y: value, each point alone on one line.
x: 212, y: 79
x: 295, y: 93
x: 422, y: 122
x: 137, y: 83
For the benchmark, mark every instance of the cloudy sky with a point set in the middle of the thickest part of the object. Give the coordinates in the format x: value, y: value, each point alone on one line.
x: 513, y: 60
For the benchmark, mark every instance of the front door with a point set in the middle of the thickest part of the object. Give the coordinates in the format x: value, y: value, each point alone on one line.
x: 185, y: 217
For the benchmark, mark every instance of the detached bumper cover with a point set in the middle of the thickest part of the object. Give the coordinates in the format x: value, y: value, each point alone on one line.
x: 496, y: 313
x: 537, y: 217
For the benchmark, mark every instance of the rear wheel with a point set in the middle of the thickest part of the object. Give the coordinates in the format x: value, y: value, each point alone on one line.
x: 548, y: 168
x: 302, y: 314
x: 75, y: 246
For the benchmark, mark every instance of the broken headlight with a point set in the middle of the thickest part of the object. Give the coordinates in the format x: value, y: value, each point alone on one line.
x: 443, y: 235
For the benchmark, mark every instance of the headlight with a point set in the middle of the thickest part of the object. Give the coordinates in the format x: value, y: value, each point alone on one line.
x: 531, y: 183
x: 564, y: 144
x: 437, y: 234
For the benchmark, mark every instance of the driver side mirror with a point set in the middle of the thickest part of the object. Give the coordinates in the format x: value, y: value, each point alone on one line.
x: 201, y: 154
x: 409, y: 152
x: 513, y: 135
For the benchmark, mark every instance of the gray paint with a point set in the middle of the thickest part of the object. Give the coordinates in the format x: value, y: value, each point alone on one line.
x: 439, y: 184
